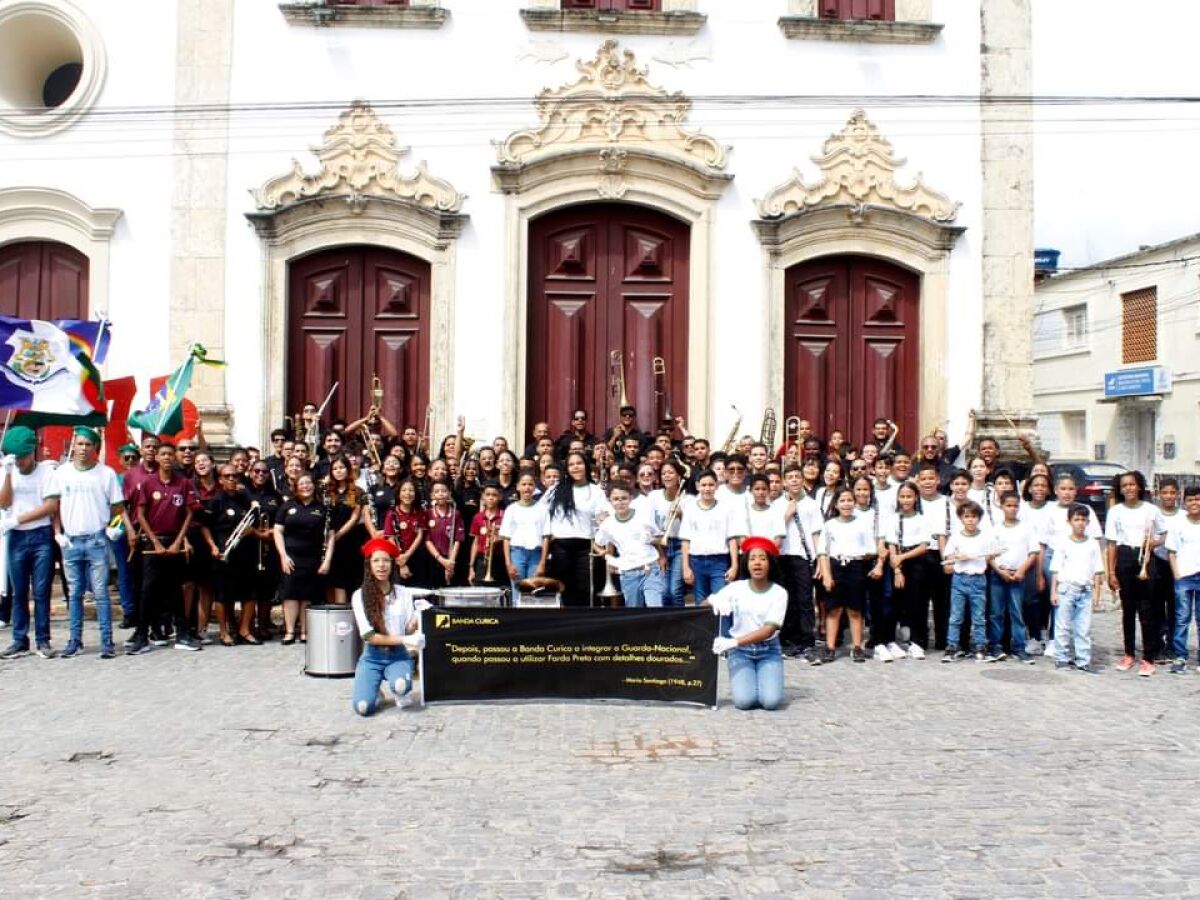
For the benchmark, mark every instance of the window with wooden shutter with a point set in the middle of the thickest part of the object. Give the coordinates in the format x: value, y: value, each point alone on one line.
x: 884, y: 10
x: 1139, y: 326
x: 368, y: 2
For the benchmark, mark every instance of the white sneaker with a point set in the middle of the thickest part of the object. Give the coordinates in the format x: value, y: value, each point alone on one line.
x: 1033, y: 647
x: 915, y: 651
x: 896, y: 651
x: 412, y: 698
x: 882, y: 654
x: 1049, y: 649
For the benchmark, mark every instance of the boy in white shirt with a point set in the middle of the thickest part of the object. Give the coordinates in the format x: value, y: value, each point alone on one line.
x: 1183, y: 549
x: 1019, y: 550
x: 641, y: 561
x: 1075, y: 576
x: 966, y: 555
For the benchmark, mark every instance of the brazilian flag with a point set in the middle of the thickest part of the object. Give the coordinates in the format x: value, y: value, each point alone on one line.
x: 164, y: 414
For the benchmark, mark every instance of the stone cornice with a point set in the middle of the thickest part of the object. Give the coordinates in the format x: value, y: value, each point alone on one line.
x: 679, y: 22
x: 870, y: 31
x: 334, y: 15
x: 886, y: 226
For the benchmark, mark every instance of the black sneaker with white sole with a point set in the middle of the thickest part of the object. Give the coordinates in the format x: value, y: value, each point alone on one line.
x: 14, y: 651
x: 187, y: 643
x: 137, y: 645
x: 45, y: 651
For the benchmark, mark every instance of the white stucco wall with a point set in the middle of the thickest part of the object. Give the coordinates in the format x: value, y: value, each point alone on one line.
x: 475, y: 55
x: 119, y: 157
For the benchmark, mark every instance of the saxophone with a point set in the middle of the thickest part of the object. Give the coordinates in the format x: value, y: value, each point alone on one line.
x: 737, y: 423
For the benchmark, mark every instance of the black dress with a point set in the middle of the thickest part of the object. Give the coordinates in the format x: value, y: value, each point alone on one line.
x: 304, y: 540
x: 347, y: 569
x: 235, y: 571
x: 266, y: 564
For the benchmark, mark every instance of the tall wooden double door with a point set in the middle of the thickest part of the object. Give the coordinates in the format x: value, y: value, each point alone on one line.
x: 852, y: 345
x: 606, y: 277
x: 43, y: 280
x: 355, y: 312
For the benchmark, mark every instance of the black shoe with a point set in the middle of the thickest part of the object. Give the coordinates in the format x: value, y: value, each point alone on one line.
x: 127, y: 623
x: 828, y: 656
x: 15, y: 651
x: 159, y: 638
x: 858, y: 655
x: 187, y: 643
x: 288, y: 640
x: 137, y: 645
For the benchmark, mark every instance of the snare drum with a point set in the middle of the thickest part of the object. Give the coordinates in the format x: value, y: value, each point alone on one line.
x: 471, y: 596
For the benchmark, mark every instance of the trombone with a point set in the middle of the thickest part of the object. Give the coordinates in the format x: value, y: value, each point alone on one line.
x: 660, y: 389
x: 616, y: 374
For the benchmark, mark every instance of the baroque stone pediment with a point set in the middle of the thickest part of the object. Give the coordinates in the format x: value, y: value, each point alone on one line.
x: 359, y: 160
x: 858, y: 169
x: 612, y: 106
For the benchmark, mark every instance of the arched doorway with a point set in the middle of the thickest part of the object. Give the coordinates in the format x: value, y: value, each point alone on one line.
x: 354, y: 312
x: 852, y: 327
x: 604, y: 277
x: 43, y: 280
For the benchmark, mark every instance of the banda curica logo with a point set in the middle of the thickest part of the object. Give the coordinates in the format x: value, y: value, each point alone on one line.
x: 441, y: 620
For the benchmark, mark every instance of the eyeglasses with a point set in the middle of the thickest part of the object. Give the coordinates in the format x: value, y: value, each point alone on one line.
x: 929, y: 446
x: 183, y: 449
x: 277, y: 440
x: 128, y: 457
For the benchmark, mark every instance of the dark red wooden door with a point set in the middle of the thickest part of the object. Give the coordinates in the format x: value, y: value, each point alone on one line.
x: 852, y: 327
x: 43, y: 280
x: 357, y: 312
x: 606, y: 277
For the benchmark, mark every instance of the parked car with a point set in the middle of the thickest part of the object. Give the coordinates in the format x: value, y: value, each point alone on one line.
x: 1093, y: 480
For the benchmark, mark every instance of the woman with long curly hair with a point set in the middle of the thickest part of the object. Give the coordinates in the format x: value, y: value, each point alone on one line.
x: 388, y: 621
x: 346, y: 504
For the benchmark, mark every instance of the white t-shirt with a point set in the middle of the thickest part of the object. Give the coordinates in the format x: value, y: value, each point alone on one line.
x: 1184, y: 541
x: 1127, y: 525
x: 708, y: 531
x: 885, y: 497
x: 752, y: 609
x: 1035, y: 515
x: 633, y: 539
x: 986, y: 498
x: 589, y: 503
x: 29, y: 492
x: 1171, y: 522
x: 767, y: 523
x: 906, y: 532
x: 1017, y: 542
x: 1056, y: 528
x: 956, y: 524
x: 85, y: 497
x: 1076, y: 562
x: 398, y: 611
x: 933, y: 510
x: 524, y: 526
x: 811, y: 521
x: 842, y: 539
x: 661, y: 507
x: 975, y: 548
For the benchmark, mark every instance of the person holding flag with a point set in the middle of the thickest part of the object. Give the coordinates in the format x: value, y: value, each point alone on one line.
x: 86, y: 495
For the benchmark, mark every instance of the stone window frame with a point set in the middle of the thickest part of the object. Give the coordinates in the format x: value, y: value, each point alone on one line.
x: 427, y: 14
x: 913, y: 25
x: 678, y: 17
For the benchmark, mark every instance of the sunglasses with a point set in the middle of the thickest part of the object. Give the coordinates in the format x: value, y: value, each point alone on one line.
x: 735, y: 468
x: 227, y: 476
x: 128, y: 457
x: 258, y: 471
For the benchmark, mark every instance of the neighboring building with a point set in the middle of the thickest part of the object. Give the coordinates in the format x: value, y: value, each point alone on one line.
x: 696, y: 183
x: 1117, y: 359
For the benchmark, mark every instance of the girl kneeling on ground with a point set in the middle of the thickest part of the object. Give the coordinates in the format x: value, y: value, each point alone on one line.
x: 758, y: 606
x: 387, y: 620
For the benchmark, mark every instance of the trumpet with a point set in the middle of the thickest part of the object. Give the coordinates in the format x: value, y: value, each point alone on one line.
x: 487, y: 549
x: 660, y: 388
x: 377, y: 394
x: 616, y: 369
x: 737, y: 423
x: 239, y: 532
x: 766, y: 433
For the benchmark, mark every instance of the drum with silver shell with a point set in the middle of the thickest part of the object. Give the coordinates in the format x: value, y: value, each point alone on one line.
x: 472, y: 597
x: 333, y: 644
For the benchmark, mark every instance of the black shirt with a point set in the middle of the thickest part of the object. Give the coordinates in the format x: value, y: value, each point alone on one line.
x: 303, y: 528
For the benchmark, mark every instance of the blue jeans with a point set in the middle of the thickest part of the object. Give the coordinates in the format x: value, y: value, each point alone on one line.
x: 643, y: 587
x: 120, y: 554
x: 673, y: 589
x: 31, y: 566
x: 86, y: 562
x: 526, y: 563
x: 1073, y: 618
x: 967, y: 590
x: 1187, y: 607
x: 1010, y: 596
x: 756, y: 675
x: 709, y: 572
x: 376, y: 665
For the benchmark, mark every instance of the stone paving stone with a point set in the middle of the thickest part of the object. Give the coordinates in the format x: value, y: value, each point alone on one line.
x: 228, y: 773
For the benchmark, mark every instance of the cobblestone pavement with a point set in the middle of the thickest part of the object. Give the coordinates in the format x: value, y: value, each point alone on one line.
x: 228, y: 773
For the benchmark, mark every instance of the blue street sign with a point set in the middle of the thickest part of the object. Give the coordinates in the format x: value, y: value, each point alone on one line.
x: 1137, y: 382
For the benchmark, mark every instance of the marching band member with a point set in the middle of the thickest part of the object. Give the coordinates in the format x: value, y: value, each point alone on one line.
x: 405, y: 526
x: 260, y: 490
x: 199, y: 586
x: 758, y: 607
x: 573, y: 507
x: 1133, y: 528
x: 802, y: 522
x: 523, y: 531
x: 709, y: 539
x: 235, y: 568
x: 346, y: 503
x: 483, y: 568
x: 389, y: 624
x: 667, y: 504
x: 640, y: 561
x: 847, y: 546
x: 443, y: 535
x: 304, y: 542
x: 907, y: 537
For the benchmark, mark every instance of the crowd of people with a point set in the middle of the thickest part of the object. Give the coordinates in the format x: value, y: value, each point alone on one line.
x: 895, y: 554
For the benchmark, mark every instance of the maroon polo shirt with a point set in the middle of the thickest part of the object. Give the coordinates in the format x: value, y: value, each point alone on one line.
x: 166, y: 504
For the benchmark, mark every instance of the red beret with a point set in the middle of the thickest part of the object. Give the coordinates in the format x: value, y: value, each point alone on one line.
x: 376, y: 545
x: 760, y: 543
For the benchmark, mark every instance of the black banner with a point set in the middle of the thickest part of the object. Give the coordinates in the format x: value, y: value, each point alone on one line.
x: 519, y: 654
